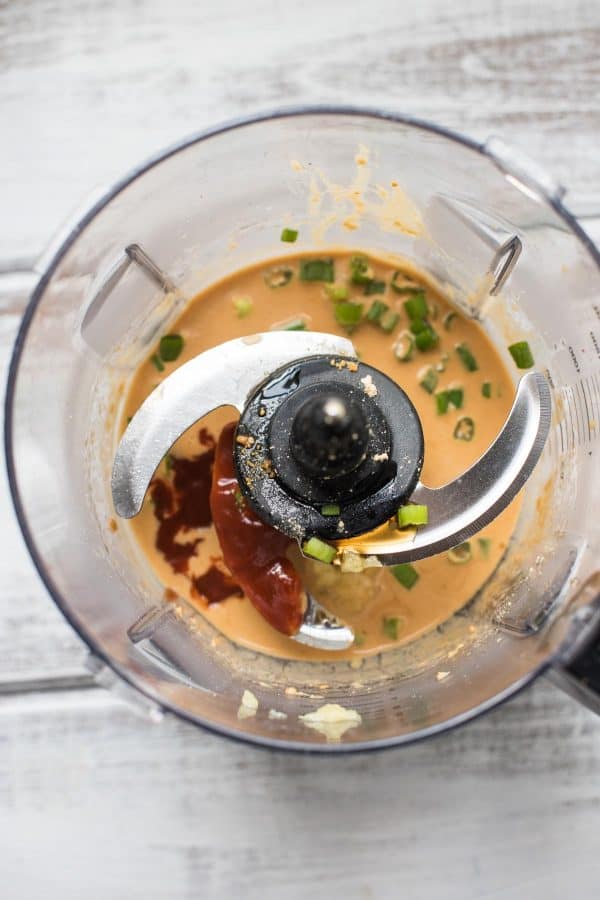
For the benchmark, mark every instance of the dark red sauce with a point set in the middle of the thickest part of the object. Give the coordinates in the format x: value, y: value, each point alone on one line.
x: 183, y: 504
x: 253, y: 552
x: 216, y: 585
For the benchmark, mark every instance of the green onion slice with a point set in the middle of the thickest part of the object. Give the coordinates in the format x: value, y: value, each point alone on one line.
x: 484, y: 547
x: 428, y: 378
x: 522, y: 355
x: 317, y: 270
x: 449, y: 319
x: 289, y: 235
x: 374, y: 287
x: 391, y: 626
x: 416, y: 307
x: 405, y: 574
x: 418, y: 325
x: 278, y: 277
x: 486, y: 389
x: 402, y: 284
x: 465, y: 429
x: 361, y: 271
x: 318, y: 549
x: 330, y: 509
x: 460, y: 554
x: 157, y: 362
x: 442, y: 401
x: 456, y: 396
x: 336, y: 292
x: 170, y: 347
x: 389, y: 320
x: 413, y: 514
x: 404, y: 347
x: 243, y: 306
x: 441, y: 365
x: 426, y: 340
x: 376, y: 310
x: 467, y: 358
x: 348, y: 314
x: 295, y: 324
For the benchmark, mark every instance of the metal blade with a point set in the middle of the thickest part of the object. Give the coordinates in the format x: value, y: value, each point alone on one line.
x: 463, y: 507
x: 322, y: 630
x: 223, y: 376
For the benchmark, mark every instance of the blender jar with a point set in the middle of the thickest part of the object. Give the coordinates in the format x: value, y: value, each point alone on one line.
x: 491, y: 227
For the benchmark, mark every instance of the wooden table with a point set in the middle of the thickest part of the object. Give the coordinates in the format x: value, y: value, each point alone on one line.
x: 98, y: 803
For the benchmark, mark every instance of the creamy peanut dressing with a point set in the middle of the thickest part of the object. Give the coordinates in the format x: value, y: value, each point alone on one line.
x: 364, y: 600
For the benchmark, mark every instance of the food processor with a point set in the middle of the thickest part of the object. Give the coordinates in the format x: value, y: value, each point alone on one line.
x: 482, y: 220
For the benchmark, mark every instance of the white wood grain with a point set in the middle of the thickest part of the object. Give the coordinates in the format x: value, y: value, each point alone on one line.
x: 96, y: 803
x: 88, y: 89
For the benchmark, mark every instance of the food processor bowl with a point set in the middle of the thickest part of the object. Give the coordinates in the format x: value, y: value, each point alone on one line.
x: 484, y: 221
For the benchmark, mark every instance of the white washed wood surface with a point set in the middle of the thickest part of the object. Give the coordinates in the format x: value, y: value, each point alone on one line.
x: 98, y: 803
x: 89, y: 88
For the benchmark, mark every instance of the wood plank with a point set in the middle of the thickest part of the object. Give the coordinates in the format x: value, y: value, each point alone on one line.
x: 90, y: 89
x: 95, y: 802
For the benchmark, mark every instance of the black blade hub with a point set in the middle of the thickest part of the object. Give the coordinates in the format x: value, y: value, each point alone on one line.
x: 326, y: 433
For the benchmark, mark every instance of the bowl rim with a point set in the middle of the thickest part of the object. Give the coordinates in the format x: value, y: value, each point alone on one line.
x: 48, y: 265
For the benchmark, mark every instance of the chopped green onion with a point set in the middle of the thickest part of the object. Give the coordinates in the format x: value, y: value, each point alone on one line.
x: 406, y: 574
x: 170, y: 347
x: 318, y: 549
x: 442, y: 401
x: 404, y: 346
x: 390, y: 627
x: 465, y: 429
x: 441, y: 365
x: 461, y: 554
x: 418, y: 325
x: 449, y: 319
x: 428, y: 378
x: 374, y: 287
x: 330, y: 509
x: 168, y: 460
x: 467, y: 358
x: 456, y: 396
x: 336, y: 292
x: 359, y: 639
x: 158, y: 363
x: 486, y: 389
x: 317, y: 270
x: 416, y: 307
x: 360, y: 270
x: 522, y: 355
x: 348, y: 314
x: 413, y: 514
x: 402, y: 284
x: 389, y: 320
x: 426, y: 340
x: 484, y: 547
x: 289, y: 235
x: 376, y: 310
x: 243, y: 306
x: 297, y: 324
x: 278, y: 277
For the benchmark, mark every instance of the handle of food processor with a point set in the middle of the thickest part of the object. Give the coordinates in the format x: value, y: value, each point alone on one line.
x: 576, y: 669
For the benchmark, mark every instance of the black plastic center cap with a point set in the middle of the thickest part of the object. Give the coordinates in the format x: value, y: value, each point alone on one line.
x: 329, y: 435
